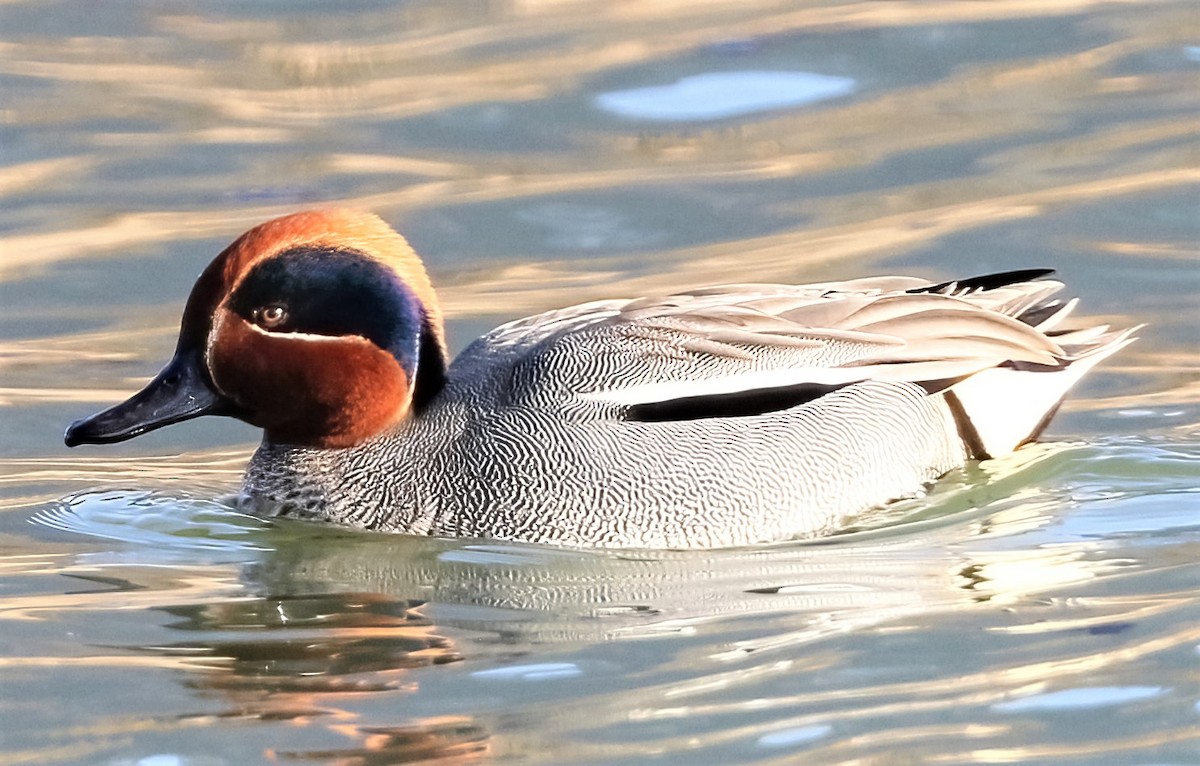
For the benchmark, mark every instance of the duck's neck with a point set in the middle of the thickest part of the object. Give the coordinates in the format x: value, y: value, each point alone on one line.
x: 344, y: 486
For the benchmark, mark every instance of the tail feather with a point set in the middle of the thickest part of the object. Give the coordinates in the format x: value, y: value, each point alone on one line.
x: 1050, y: 315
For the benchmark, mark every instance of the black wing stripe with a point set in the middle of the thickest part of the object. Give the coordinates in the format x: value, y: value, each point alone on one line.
x: 758, y: 401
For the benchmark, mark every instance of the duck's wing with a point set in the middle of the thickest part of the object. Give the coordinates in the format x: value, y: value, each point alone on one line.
x: 744, y: 349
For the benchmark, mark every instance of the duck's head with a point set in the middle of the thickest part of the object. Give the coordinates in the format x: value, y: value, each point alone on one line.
x: 320, y: 327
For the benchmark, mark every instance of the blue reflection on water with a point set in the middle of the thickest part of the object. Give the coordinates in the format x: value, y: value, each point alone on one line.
x: 1075, y: 699
x: 538, y: 671
x: 724, y: 94
x: 796, y: 736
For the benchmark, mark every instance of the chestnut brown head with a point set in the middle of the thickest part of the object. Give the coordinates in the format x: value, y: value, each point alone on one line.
x: 320, y: 327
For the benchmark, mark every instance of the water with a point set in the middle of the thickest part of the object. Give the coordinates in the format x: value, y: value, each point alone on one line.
x: 1040, y: 609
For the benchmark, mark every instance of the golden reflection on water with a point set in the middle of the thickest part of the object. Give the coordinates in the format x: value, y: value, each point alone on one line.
x: 875, y: 702
x: 775, y: 256
x: 24, y: 176
x: 303, y: 81
x: 25, y: 482
x: 184, y: 586
x: 311, y: 83
x: 338, y: 635
x: 780, y: 256
x: 1134, y: 746
x: 534, y: 286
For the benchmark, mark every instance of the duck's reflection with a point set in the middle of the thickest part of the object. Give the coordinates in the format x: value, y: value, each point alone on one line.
x: 296, y: 658
x: 337, y: 616
x: 343, y: 642
x: 448, y: 740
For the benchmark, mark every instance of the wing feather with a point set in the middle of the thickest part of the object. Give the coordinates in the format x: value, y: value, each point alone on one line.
x: 755, y: 338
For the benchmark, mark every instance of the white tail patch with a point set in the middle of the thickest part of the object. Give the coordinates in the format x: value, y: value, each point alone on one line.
x: 1005, y: 406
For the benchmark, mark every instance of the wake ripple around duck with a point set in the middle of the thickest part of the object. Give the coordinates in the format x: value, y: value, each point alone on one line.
x: 1046, y: 480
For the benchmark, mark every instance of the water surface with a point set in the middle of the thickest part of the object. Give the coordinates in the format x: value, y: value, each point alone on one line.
x: 1040, y: 609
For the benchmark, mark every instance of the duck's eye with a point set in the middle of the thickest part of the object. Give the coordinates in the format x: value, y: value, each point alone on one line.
x: 270, y: 317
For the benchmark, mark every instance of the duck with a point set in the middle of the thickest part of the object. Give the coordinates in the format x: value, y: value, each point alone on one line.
x: 733, y: 415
